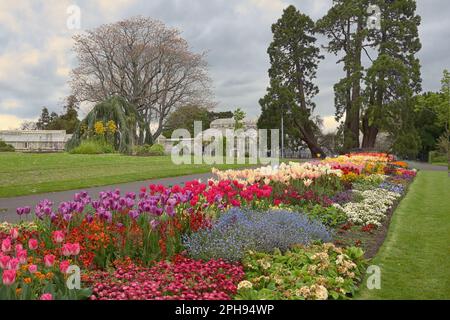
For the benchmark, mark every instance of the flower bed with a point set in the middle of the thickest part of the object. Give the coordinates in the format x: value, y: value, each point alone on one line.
x: 244, y: 235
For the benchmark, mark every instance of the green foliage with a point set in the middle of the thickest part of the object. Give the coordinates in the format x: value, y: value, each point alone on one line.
x: 67, y: 121
x: 329, y: 216
x: 239, y: 117
x: 443, y: 143
x: 184, y: 118
x: 294, y: 57
x: 149, y: 150
x: 315, y: 273
x: 93, y: 146
x: 436, y: 157
x: 124, y: 116
x: 407, y: 144
x: 4, y: 147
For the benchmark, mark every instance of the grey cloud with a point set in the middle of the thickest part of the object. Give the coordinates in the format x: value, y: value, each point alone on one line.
x: 236, y: 45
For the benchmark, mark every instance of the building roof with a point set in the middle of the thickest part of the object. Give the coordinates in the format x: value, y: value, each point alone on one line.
x: 33, y: 135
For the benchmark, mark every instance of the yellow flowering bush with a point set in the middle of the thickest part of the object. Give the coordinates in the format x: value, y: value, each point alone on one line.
x: 99, y: 128
x: 111, y: 127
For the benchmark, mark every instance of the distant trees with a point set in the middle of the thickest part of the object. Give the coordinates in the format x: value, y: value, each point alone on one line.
x: 239, y: 117
x: 184, y: 118
x: 146, y: 63
x: 431, y: 118
x: 68, y: 120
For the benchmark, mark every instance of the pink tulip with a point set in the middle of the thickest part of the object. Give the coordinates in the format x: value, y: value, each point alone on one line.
x: 49, y: 260
x: 19, y: 247
x: 58, y: 236
x: 70, y: 249
x: 66, y: 249
x: 46, y: 296
x: 13, y: 264
x: 75, y: 249
x: 32, y: 268
x: 14, y: 233
x: 9, y: 277
x: 4, y: 262
x: 64, y: 265
x: 33, y: 244
x: 22, y: 256
x: 6, y: 245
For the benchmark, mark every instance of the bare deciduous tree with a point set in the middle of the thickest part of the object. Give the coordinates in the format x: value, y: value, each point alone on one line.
x: 145, y: 62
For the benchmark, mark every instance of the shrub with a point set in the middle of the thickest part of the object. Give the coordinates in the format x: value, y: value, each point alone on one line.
x: 329, y: 216
x: 149, y: 150
x: 436, y: 157
x: 93, y: 147
x: 239, y: 230
x: 4, y: 147
x: 318, y: 272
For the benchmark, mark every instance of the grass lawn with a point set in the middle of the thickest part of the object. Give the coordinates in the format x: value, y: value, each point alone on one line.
x: 444, y: 164
x: 415, y: 258
x: 24, y: 173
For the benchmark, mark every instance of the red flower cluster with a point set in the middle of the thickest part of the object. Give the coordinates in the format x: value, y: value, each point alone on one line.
x: 309, y: 197
x: 184, y: 279
x: 347, y: 168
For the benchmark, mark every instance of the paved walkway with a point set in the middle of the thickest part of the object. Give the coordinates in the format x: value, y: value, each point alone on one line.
x: 426, y: 166
x: 8, y: 206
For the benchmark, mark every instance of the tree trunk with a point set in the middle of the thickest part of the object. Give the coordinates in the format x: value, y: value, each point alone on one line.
x: 352, y: 118
x: 370, y: 134
x: 305, y: 127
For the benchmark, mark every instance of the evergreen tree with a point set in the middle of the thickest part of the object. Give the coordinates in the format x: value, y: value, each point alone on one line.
x: 394, y: 76
x: 345, y: 27
x: 43, y: 120
x: 294, y: 57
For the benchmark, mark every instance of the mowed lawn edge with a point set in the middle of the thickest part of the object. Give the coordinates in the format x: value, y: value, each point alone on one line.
x: 25, y: 174
x: 415, y: 257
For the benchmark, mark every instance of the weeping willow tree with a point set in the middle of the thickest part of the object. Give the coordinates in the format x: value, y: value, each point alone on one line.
x: 118, y: 110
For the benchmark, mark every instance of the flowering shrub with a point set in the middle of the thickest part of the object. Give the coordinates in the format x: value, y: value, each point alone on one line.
x: 318, y: 272
x: 238, y: 231
x: 183, y: 279
x: 372, y: 209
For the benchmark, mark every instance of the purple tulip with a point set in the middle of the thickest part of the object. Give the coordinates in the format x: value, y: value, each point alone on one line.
x: 154, y: 224
x: 170, y: 211
x: 134, y: 214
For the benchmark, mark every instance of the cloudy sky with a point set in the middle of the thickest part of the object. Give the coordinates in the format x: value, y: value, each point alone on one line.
x: 36, y: 57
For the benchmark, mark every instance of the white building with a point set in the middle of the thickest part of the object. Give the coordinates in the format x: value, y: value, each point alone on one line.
x: 36, y: 140
x: 224, y: 124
